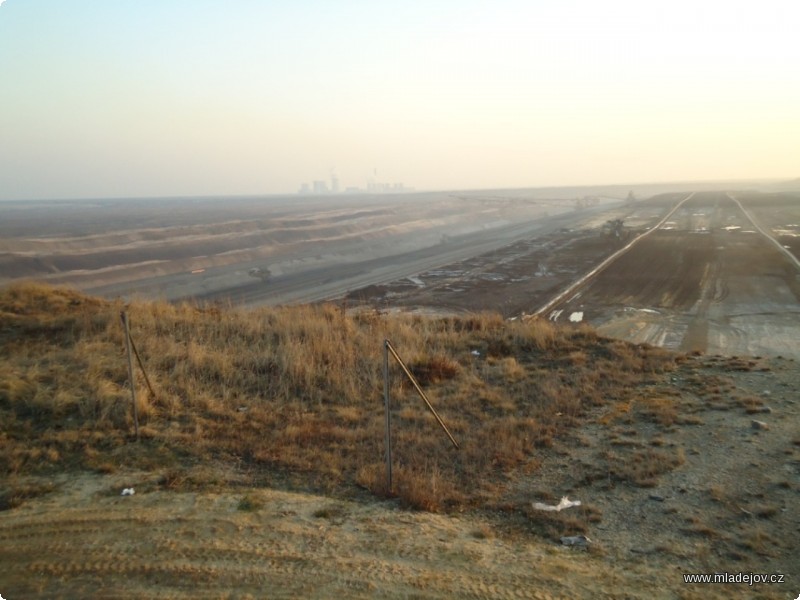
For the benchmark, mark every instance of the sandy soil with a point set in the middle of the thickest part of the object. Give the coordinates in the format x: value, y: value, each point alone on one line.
x: 89, y: 542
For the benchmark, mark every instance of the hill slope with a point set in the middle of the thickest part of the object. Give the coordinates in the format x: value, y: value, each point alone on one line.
x: 247, y: 402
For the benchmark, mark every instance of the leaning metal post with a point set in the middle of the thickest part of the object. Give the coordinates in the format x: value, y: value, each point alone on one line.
x: 387, y: 348
x: 422, y: 395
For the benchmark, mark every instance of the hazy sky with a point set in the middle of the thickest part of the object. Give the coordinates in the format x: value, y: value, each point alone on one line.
x: 171, y: 97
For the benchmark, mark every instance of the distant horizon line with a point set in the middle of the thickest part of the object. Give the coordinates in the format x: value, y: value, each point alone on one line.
x: 395, y: 193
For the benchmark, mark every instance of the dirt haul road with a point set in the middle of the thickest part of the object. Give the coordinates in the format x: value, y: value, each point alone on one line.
x: 707, y: 280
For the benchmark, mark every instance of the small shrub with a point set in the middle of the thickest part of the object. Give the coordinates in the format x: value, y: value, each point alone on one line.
x: 759, y: 541
x: 555, y: 524
x: 16, y: 494
x: 249, y: 504
x: 428, y: 371
x: 642, y: 466
x: 660, y: 410
x: 511, y: 369
x: 332, y: 513
x: 766, y: 511
x: 483, y: 532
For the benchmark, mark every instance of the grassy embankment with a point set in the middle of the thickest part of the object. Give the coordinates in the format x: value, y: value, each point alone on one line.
x: 293, y: 396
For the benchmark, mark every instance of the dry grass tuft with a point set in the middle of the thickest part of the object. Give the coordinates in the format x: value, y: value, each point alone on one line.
x: 661, y: 410
x: 759, y: 541
x: 249, y: 504
x: 428, y: 370
x: 700, y: 528
x: 636, y: 465
x: 554, y: 525
x: 14, y: 493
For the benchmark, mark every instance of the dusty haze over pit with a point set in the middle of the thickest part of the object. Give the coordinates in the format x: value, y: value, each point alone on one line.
x: 160, y: 99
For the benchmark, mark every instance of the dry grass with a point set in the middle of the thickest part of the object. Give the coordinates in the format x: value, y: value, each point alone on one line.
x: 698, y: 527
x: 553, y: 525
x: 249, y: 504
x: 293, y: 395
x: 14, y: 493
x: 759, y: 541
x: 633, y: 464
x: 661, y: 410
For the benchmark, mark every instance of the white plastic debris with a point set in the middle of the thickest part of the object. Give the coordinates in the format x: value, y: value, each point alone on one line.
x: 575, y: 540
x: 127, y: 492
x: 475, y: 353
x: 565, y: 503
x: 576, y: 317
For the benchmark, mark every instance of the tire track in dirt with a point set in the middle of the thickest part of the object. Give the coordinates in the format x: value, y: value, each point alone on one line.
x: 706, y: 284
x: 170, y: 545
x: 775, y: 242
x: 575, y: 287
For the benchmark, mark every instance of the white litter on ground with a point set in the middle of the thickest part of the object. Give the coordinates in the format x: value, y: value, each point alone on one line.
x: 575, y: 297
x: 127, y: 492
x: 576, y: 317
x: 565, y: 503
x: 644, y: 310
x: 575, y: 540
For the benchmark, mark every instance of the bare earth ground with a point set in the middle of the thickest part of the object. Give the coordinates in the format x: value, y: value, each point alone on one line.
x: 707, y: 280
x: 728, y: 502
x: 730, y: 506
x: 517, y: 278
x: 92, y: 543
x: 711, y: 513
x: 315, y: 247
x: 207, y: 247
